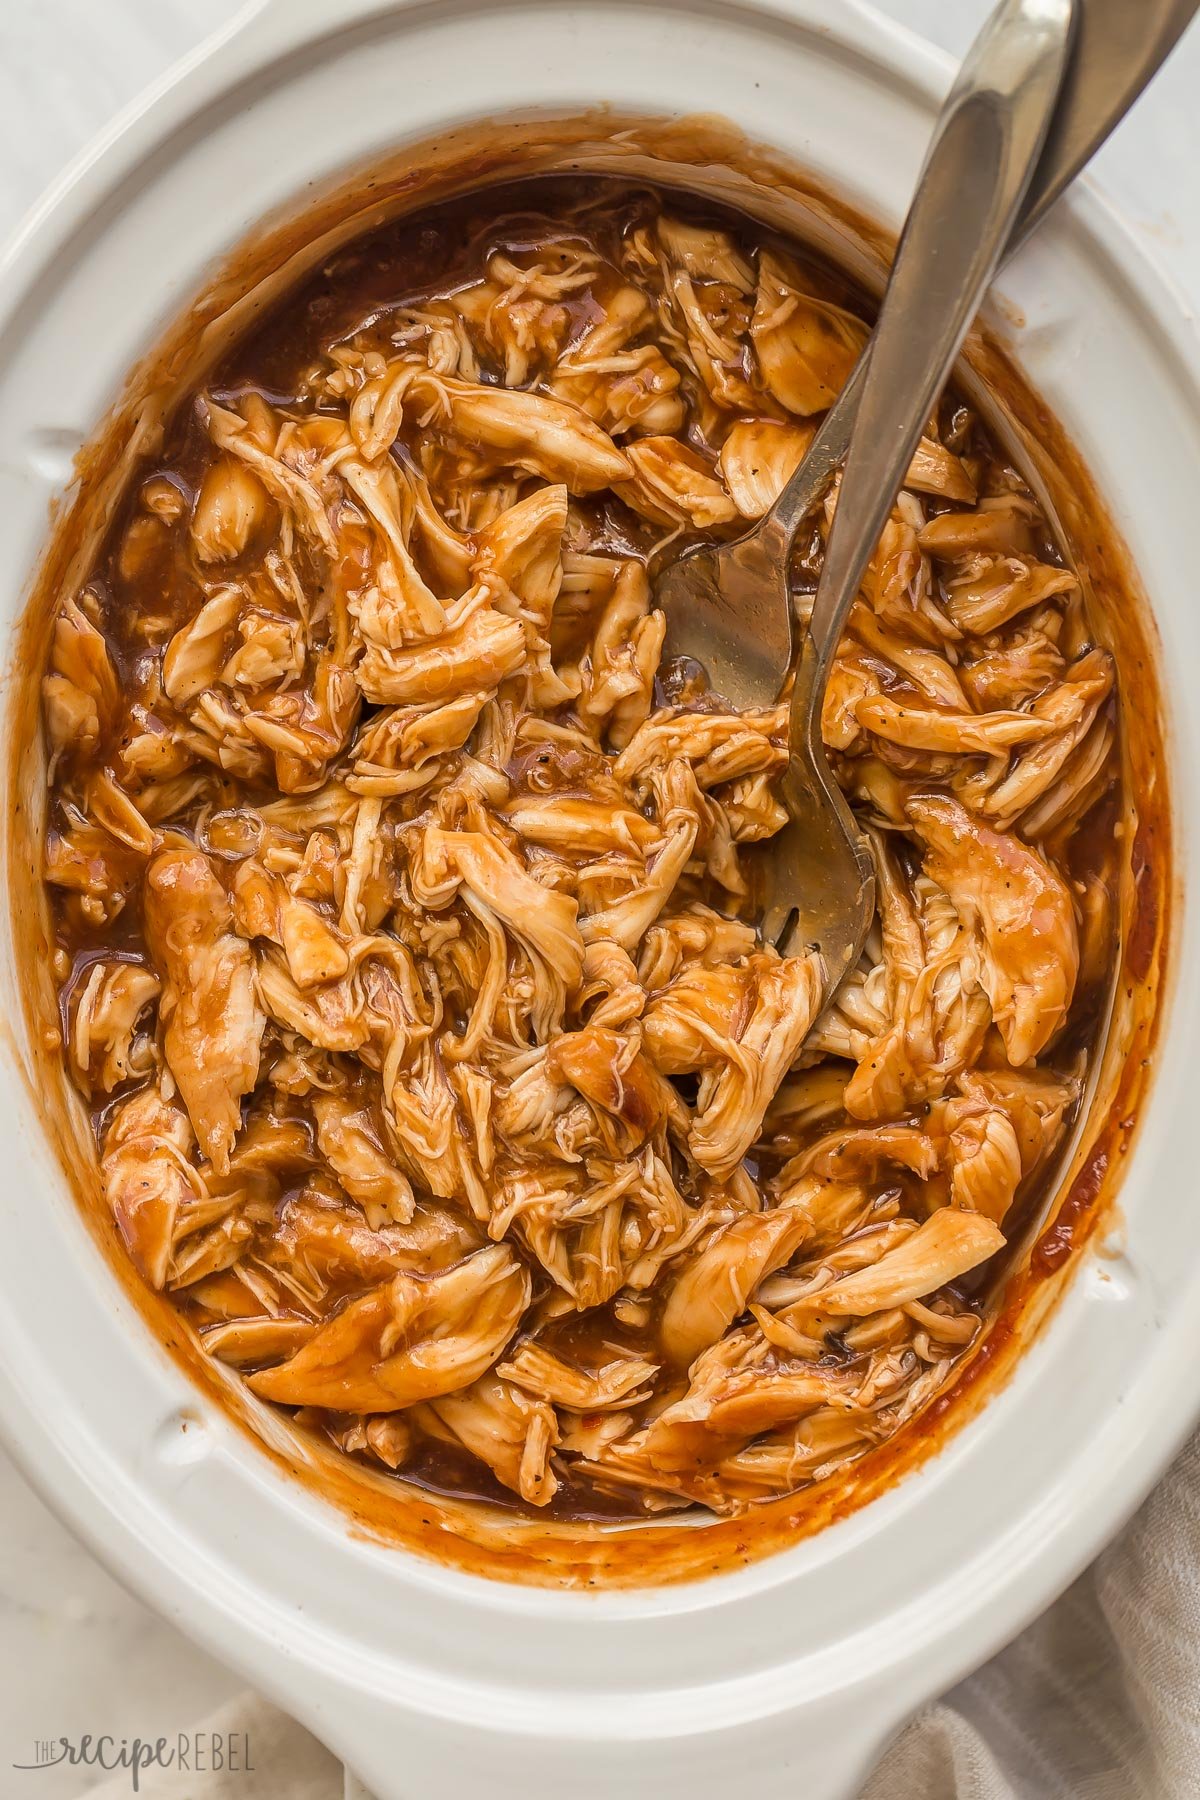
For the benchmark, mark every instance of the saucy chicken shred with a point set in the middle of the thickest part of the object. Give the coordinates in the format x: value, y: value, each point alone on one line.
x: 405, y: 902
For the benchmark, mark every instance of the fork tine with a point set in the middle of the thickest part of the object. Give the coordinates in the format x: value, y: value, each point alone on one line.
x: 775, y: 922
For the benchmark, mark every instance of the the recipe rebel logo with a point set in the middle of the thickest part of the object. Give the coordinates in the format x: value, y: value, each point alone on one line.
x: 187, y: 1753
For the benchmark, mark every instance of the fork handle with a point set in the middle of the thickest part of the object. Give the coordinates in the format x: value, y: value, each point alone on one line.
x: 977, y: 170
x: 1117, y: 52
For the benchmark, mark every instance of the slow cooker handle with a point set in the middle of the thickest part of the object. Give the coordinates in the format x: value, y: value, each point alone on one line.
x: 393, y: 1750
x: 841, y: 1778
x: 843, y: 1783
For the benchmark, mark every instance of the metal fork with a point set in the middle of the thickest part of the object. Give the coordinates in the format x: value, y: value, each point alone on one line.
x: 728, y: 606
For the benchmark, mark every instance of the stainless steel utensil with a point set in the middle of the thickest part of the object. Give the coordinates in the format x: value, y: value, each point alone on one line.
x: 820, y: 877
x: 728, y: 607
x: 1001, y: 155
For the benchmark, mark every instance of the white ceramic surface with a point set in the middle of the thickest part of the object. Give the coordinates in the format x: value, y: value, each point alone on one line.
x: 789, y: 1675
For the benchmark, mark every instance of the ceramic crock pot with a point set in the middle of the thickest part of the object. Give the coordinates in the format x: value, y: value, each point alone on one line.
x: 787, y: 1676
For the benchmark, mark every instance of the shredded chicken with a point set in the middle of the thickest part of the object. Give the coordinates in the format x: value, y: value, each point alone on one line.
x: 405, y: 903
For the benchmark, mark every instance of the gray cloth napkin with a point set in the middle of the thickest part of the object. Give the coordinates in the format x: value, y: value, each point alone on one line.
x: 1099, y: 1700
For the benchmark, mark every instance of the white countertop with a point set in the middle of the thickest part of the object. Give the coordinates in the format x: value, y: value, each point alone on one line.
x: 77, y: 1653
